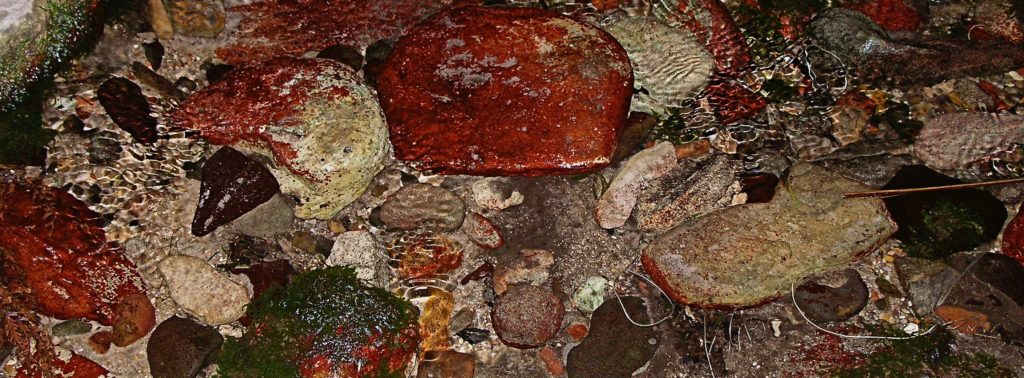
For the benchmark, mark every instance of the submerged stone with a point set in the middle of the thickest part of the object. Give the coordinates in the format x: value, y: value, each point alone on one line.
x: 326, y: 323
x: 423, y: 206
x: 203, y: 291
x: 58, y: 252
x: 505, y: 91
x: 127, y: 106
x: 614, y: 347
x: 317, y: 121
x: 748, y: 254
x: 937, y: 224
x: 181, y: 348
x: 956, y: 141
x: 833, y: 298
x: 233, y: 184
x: 527, y: 316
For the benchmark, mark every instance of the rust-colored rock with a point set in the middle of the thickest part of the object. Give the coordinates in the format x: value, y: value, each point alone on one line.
x: 892, y: 15
x: 490, y: 91
x: 74, y: 366
x: 57, y: 249
x: 1013, y: 238
x: 527, y: 316
x: 288, y: 27
x: 714, y: 26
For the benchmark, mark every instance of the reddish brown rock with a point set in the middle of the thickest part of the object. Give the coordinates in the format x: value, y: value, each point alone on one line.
x: 1013, y: 238
x: 714, y: 26
x: 731, y: 101
x: 57, y: 249
x: 552, y: 361
x: 285, y: 27
x: 892, y: 15
x: 127, y: 107
x: 482, y: 231
x: 233, y: 184
x: 492, y: 91
x: 74, y: 367
x: 527, y: 316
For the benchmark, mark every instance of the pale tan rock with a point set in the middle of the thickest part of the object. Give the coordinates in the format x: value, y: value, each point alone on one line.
x: 617, y: 202
x: 159, y: 20
x: 203, y: 291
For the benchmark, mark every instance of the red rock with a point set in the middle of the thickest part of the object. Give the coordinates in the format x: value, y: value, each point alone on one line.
x: 527, y: 316
x: 577, y: 331
x: 1013, y: 238
x: 483, y: 232
x: 484, y: 270
x: 857, y: 99
x: 891, y: 15
x: 75, y: 367
x: 966, y: 321
x: 127, y: 107
x: 732, y: 102
x: 505, y: 91
x: 58, y: 250
x: 425, y: 255
x: 713, y: 25
x: 551, y: 361
x: 288, y: 27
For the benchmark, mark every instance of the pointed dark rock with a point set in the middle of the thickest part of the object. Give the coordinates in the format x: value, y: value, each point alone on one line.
x: 233, y: 184
x: 127, y: 106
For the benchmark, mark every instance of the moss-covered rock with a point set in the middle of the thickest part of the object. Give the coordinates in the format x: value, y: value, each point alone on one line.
x: 325, y: 323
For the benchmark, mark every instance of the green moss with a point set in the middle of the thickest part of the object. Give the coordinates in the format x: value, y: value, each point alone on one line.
x: 927, y: 355
x: 325, y: 314
x: 945, y: 227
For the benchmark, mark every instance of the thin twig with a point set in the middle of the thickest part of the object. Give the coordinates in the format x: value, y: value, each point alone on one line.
x: 897, y: 192
x: 623, y: 306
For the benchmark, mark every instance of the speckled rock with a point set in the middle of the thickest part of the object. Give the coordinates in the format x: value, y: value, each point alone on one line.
x: 668, y: 63
x: 956, y: 140
x: 271, y: 218
x: 359, y: 250
x: 483, y: 91
x: 527, y: 316
x: 423, y: 206
x: 198, y: 288
x: 314, y: 117
x: 196, y: 18
x: 618, y: 200
x: 180, y: 348
x: 746, y: 255
x: 692, y: 188
x: 590, y: 295
x: 495, y: 193
x: 529, y: 266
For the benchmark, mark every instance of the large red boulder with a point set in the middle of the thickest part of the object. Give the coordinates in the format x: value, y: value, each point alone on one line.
x: 55, y: 247
x: 491, y: 91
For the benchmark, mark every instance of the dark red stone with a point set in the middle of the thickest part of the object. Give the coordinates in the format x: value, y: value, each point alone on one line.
x: 731, y: 101
x: 1013, y: 238
x: 484, y: 270
x: 233, y: 184
x: 76, y: 367
x: 714, y: 26
x: 127, y: 107
x: 505, y: 91
x: 56, y: 249
x: 289, y: 27
x: 891, y: 15
x: 760, y: 188
x: 527, y: 316
x: 240, y: 106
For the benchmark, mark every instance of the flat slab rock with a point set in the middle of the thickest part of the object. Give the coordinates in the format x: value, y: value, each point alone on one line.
x: 491, y: 91
x: 749, y: 254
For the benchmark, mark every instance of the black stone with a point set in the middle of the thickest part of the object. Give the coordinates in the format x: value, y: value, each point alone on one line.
x: 154, y: 53
x: 615, y: 347
x: 215, y: 72
x: 937, y: 224
x: 181, y: 348
x: 347, y: 55
x: 474, y: 335
x: 824, y: 303
x: 232, y: 185
x: 127, y: 106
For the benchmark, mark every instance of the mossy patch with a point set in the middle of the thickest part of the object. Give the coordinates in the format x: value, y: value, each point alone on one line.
x: 325, y: 322
x: 672, y: 127
x: 927, y: 355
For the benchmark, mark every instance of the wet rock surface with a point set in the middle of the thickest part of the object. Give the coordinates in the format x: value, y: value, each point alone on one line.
x: 712, y: 262
x: 527, y: 316
x: 615, y: 205
x: 835, y: 301
x: 693, y: 188
x: 423, y: 206
x: 614, y: 347
x: 203, y: 291
x: 529, y: 266
x: 451, y: 88
x: 233, y: 184
x: 127, y: 106
x: 958, y: 140
x: 360, y: 250
x: 180, y: 347
x: 313, y: 117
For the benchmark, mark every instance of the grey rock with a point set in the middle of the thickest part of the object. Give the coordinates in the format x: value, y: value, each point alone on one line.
x: 495, y: 193
x: 618, y: 200
x: 925, y: 282
x: 71, y: 327
x: 748, y: 254
x: 694, y: 188
x: 358, y: 249
x: 833, y: 297
x: 181, y: 348
x: 423, y: 206
x: 954, y: 141
x: 270, y: 218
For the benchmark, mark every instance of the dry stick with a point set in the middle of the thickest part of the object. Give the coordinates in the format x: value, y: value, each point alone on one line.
x: 897, y: 192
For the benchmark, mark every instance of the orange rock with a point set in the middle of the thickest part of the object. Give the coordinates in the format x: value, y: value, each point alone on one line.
x: 551, y: 361
x: 577, y: 331
x: 75, y: 367
x: 964, y: 320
